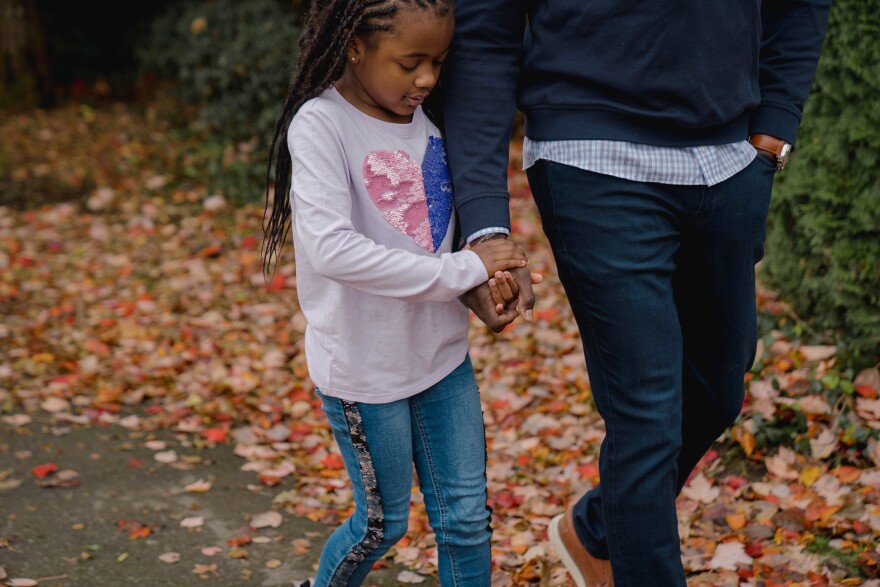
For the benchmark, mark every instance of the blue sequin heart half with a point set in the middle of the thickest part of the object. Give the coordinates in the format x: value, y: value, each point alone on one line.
x: 438, y: 189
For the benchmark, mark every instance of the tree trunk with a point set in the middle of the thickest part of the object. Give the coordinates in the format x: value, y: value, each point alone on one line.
x: 24, y: 68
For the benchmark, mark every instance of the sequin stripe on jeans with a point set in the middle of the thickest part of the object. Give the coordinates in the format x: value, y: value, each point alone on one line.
x: 375, y: 517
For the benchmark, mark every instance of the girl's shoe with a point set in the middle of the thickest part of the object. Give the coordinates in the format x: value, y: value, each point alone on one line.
x: 585, y: 569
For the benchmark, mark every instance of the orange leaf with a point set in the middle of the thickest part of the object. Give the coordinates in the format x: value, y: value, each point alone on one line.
x: 736, y: 520
x: 745, y: 439
x: 846, y: 473
x: 269, y: 480
x: 333, y: 461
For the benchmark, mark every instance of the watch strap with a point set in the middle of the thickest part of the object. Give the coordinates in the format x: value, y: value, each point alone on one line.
x: 769, y: 144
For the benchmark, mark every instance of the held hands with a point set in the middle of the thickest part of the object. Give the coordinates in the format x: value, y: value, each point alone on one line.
x: 510, y: 299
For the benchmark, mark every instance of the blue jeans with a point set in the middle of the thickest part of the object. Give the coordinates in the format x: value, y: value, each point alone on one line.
x: 441, y: 431
x: 660, y: 279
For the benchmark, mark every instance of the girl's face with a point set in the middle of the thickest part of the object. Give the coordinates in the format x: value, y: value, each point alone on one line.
x: 391, y: 74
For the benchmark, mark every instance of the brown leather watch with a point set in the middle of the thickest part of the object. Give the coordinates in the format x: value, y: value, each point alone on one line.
x: 777, y: 148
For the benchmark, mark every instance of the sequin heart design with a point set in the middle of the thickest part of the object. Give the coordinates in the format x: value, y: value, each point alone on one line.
x: 416, y: 200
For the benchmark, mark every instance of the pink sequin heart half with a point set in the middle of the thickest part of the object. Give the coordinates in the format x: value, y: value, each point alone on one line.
x: 396, y: 186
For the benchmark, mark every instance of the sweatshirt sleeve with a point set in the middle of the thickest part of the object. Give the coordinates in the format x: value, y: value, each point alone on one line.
x: 479, y: 102
x: 321, y: 202
x: 792, y: 40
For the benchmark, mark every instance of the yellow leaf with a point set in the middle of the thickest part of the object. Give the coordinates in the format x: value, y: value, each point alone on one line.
x: 810, y: 474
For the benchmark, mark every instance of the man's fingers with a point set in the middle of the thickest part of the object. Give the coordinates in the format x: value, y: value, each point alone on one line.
x: 537, y: 278
x: 526, y: 299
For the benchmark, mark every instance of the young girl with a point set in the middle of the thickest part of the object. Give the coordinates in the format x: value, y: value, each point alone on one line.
x: 386, y: 341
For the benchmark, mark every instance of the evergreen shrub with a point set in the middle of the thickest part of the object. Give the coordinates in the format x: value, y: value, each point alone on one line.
x: 823, y: 249
x: 235, y: 60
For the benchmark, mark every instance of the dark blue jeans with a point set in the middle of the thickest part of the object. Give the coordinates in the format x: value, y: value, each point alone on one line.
x: 661, y: 282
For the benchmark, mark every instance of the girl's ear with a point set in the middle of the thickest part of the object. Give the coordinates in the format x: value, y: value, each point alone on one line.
x: 355, y: 50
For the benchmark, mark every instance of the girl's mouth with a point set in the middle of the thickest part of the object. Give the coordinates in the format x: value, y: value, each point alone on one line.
x: 415, y: 100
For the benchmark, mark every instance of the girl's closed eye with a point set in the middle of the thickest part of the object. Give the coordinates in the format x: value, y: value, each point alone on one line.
x: 407, y: 68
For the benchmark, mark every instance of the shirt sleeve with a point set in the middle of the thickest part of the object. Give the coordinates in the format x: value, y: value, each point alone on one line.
x: 479, y: 101
x: 321, y: 200
x: 792, y: 40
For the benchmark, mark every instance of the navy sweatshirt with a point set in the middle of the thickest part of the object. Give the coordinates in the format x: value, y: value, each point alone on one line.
x: 659, y: 72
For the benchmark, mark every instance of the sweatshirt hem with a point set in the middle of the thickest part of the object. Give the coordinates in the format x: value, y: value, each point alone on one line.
x: 392, y: 396
x: 564, y: 123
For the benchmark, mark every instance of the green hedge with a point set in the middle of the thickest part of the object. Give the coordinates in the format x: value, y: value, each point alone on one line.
x: 824, y: 234
x: 235, y: 58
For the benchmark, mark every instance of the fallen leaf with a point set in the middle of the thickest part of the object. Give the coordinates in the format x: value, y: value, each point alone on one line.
x: 166, y: 457
x: 55, y: 404
x: 205, y: 569
x: 170, y: 557
x: 409, y: 577
x: 818, y: 352
x: 270, y: 519
x: 729, y: 555
x: 40, y: 471
x: 192, y: 522
x: 701, y: 490
x: 200, y: 486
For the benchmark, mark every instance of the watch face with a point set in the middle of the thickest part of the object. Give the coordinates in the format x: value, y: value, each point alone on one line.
x: 782, y: 158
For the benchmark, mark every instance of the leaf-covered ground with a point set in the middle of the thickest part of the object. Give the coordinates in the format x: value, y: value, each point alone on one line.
x: 132, y: 295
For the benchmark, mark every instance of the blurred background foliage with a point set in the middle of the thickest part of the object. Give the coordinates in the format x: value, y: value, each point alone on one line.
x: 221, y: 69
x: 823, y: 249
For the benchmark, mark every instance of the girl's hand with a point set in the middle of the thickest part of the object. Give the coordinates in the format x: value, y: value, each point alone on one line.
x: 499, y: 254
x: 504, y: 290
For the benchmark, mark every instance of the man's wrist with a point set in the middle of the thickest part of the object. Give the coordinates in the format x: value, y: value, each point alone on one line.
x: 488, y: 237
x: 770, y: 146
x: 487, y: 231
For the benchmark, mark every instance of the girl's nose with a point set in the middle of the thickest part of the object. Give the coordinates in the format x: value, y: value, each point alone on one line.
x: 426, y: 79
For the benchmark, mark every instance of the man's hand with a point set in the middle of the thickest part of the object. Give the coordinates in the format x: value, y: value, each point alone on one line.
x: 481, y: 302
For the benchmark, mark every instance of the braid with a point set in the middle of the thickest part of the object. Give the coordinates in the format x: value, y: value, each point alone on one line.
x: 330, y: 27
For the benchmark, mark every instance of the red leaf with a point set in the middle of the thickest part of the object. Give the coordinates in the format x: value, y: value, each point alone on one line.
x: 866, y: 391
x: 214, y: 434
x: 277, y: 283
x: 754, y: 550
x: 40, y: 471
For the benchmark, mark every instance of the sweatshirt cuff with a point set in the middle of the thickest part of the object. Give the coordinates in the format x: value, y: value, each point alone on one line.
x: 776, y: 121
x: 484, y: 210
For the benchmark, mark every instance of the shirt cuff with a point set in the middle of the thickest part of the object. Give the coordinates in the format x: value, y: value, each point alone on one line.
x: 485, y: 231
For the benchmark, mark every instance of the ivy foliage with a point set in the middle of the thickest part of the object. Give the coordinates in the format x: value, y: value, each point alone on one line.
x: 824, y: 229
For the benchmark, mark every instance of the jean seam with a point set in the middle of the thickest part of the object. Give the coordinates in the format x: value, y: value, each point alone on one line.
x: 429, y: 457
x: 610, y: 428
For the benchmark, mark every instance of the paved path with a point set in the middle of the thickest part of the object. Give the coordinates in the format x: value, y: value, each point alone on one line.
x: 73, y: 533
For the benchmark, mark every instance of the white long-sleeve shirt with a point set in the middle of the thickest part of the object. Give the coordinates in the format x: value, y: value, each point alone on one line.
x: 372, y: 231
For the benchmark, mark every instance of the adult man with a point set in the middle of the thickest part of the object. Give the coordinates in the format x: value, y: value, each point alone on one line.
x: 639, y: 119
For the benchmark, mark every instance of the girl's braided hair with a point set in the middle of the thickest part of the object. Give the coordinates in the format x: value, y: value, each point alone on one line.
x: 330, y: 27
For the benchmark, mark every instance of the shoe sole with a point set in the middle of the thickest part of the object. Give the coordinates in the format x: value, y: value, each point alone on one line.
x: 559, y: 547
